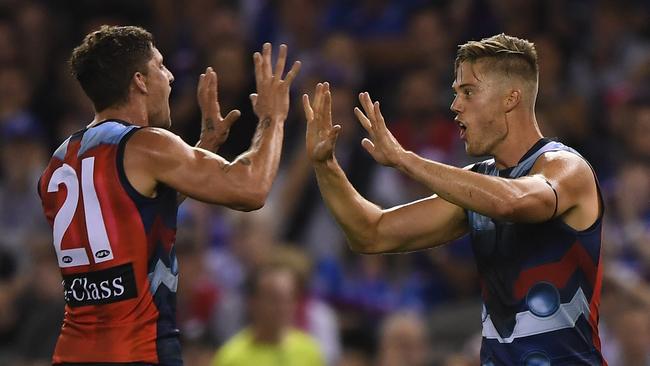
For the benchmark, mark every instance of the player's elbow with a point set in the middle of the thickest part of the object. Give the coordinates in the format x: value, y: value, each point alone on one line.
x: 257, y: 200
x: 368, y: 237
x: 245, y: 197
x: 362, y: 248
x: 368, y: 244
x: 252, y: 200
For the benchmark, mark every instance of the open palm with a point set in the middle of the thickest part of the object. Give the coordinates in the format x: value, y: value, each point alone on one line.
x: 321, y: 135
x: 381, y: 143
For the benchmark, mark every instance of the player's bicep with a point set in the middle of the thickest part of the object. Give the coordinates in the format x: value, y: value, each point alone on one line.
x: 567, y: 176
x: 422, y: 224
x: 194, y: 172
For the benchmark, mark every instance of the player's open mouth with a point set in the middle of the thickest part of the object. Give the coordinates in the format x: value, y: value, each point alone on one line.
x: 462, y: 128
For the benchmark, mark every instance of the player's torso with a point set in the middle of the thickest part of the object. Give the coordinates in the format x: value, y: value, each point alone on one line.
x: 115, y: 250
x: 540, y: 285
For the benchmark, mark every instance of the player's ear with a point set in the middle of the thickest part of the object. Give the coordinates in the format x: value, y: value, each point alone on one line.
x: 138, y: 82
x: 512, y: 99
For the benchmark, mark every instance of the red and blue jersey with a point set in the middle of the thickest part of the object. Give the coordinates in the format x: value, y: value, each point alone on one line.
x: 540, y: 283
x: 115, y: 248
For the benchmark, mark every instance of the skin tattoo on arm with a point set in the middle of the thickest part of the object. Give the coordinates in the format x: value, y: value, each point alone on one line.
x: 208, y: 125
x: 263, y: 125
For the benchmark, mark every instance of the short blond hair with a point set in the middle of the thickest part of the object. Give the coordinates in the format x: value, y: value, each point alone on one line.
x: 508, y: 55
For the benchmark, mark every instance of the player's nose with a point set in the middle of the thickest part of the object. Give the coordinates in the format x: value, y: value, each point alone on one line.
x: 455, y: 105
x: 170, y: 76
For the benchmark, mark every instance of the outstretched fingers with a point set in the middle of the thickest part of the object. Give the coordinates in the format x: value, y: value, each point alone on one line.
x: 201, y: 85
x: 379, y: 118
x: 257, y: 62
x: 282, y: 59
x: 214, y: 87
x: 318, y: 96
x: 327, y: 104
x: 365, y: 122
x: 368, y: 145
x: 366, y: 103
x: 309, y: 112
x: 291, y: 75
x: 266, y: 61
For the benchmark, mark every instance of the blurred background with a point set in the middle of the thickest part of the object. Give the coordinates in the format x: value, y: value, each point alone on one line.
x: 416, y: 309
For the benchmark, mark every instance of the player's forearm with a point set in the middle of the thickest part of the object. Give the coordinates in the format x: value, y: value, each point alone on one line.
x: 500, y: 198
x: 357, y: 216
x: 258, y: 166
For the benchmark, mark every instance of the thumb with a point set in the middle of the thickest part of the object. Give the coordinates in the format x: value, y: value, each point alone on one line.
x: 253, y: 98
x: 333, y: 136
x: 369, y: 146
x: 231, y: 117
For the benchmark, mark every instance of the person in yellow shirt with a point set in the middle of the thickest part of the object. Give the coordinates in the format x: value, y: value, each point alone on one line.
x: 271, y: 339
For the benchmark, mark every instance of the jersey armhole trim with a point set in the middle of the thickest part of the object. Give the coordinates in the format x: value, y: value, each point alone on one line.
x: 599, y: 193
x: 38, y: 187
x: 132, y: 192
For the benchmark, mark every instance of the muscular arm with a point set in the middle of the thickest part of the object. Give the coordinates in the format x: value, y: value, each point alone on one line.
x: 242, y: 184
x: 570, y: 192
x: 199, y: 173
x: 526, y: 199
x: 369, y: 229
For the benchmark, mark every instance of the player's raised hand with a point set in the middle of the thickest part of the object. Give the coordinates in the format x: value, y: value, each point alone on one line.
x: 321, y: 135
x: 272, y: 97
x: 382, y: 145
x: 214, y: 128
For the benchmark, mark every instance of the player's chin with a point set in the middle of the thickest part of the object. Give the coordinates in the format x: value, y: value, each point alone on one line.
x: 473, y: 151
x: 162, y: 122
x: 166, y: 120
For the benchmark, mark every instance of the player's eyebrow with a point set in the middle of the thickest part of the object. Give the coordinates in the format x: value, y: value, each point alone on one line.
x: 464, y: 85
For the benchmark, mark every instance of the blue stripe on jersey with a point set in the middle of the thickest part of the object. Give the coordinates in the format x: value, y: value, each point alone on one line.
x: 62, y: 150
x: 109, y: 132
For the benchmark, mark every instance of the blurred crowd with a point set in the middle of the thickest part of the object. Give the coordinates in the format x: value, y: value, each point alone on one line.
x: 287, y: 267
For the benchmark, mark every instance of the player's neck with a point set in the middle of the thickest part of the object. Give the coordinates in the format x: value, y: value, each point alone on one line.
x: 519, y: 140
x: 130, y: 112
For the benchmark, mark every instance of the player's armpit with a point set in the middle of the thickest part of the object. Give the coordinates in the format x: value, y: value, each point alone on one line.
x: 154, y: 156
x: 418, y: 225
x: 574, y: 183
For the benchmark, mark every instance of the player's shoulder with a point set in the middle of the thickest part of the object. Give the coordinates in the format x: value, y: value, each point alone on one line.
x: 153, y: 139
x: 565, y: 166
x: 156, y: 134
x: 153, y: 148
x: 562, y: 159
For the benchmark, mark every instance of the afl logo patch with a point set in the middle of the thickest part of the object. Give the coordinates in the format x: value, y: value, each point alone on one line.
x: 102, y: 253
x: 67, y: 259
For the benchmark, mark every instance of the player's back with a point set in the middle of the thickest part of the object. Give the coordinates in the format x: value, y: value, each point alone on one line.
x: 115, y: 250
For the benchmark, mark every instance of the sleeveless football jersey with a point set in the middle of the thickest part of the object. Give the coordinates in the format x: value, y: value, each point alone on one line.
x: 115, y: 250
x: 540, y: 283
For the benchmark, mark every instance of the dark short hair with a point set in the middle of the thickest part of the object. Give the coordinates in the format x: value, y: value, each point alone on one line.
x: 106, y: 60
x: 509, y: 55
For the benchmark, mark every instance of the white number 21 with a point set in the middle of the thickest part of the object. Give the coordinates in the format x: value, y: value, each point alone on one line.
x: 97, y: 237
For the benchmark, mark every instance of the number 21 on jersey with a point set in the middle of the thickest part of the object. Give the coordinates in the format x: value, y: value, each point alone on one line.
x: 97, y: 237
